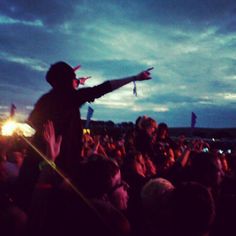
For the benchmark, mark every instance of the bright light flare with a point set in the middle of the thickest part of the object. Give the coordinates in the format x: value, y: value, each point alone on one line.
x: 26, y: 130
x: 11, y: 127
x: 86, y: 131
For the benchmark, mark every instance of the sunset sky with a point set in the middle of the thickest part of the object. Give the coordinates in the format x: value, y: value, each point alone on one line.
x: 190, y: 43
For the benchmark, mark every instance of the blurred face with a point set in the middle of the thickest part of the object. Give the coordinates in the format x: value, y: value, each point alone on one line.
x: 163, y: 133
x: 151, y: 130
x: 119, y: 195
x: 75, y: 83
x: 18, y: 157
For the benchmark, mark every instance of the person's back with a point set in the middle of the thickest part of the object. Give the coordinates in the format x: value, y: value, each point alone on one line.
x: 65, y: 213
x: 193, y: 210
x: 156, y: 196
x: 60, y: 108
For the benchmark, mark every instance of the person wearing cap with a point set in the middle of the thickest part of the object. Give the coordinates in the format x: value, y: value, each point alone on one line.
x: 61, y: 105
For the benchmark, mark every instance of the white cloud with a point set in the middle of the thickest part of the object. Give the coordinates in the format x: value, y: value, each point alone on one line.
x: 29, y: 107
x: 232, y: 77
x: 229, y: 96
x: 150, y: 107
x: 34, y: 64
x: 4, y: 107
x: 7, y: 20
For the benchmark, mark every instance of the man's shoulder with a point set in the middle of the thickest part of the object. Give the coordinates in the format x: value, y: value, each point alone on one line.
x: 47, y: 96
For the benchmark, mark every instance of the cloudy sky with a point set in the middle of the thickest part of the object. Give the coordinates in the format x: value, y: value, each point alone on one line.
x: 190, y: 43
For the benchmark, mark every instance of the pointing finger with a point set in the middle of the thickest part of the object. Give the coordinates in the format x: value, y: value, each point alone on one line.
x: 151, y: 68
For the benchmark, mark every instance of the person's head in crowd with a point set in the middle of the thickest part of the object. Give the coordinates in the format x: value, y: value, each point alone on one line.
x: 162, y: 131
x: 147, y: 124
x: 156, y: 196
x: 61, y: 76
x: 206, y: 169
x: 15, y: 156
x: 134, y: 162
x: 150, y: 125
x: 193, y: 210
x: 181, y: 140
x: 100, y: 178
x: 138, y: 122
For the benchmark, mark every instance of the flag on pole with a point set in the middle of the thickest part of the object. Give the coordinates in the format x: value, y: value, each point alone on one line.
x: 89, y: 115
x: 193, y: 120
x: 135, y: 89
x: 12, y: 110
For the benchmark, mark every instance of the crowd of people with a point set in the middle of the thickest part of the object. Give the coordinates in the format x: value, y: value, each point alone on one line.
x: 143, y: 182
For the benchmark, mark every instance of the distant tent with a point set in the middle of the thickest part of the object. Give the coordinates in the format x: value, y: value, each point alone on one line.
x: 193, y: 120
x: 12, y: 110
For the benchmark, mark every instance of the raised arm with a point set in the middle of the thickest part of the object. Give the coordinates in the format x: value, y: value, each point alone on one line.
x: 48, y: 176
x: 53, y: 143
x: 144, y: 75
x: 89, y: 94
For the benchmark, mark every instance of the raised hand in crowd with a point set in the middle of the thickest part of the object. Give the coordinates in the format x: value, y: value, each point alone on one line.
x: 53, y: 142
x: 98, y: 148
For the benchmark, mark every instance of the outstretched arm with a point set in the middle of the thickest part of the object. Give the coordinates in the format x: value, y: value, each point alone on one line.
x: 89, y: 94
x: 117, y: 83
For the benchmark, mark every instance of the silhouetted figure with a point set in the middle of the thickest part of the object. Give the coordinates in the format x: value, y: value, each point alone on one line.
x: 61, y: 106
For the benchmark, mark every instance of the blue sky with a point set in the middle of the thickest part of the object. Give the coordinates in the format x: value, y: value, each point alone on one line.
x: 190, y: 43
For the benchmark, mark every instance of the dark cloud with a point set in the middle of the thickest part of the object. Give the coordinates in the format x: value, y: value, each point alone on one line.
x: 36, y: 42
x: 220, y: 86
x: 50, y: 12
x: 16, y: 73
x: 21, y: 84
x: 157, y: 11
x: 190, y: 14
x: 228, y: 28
